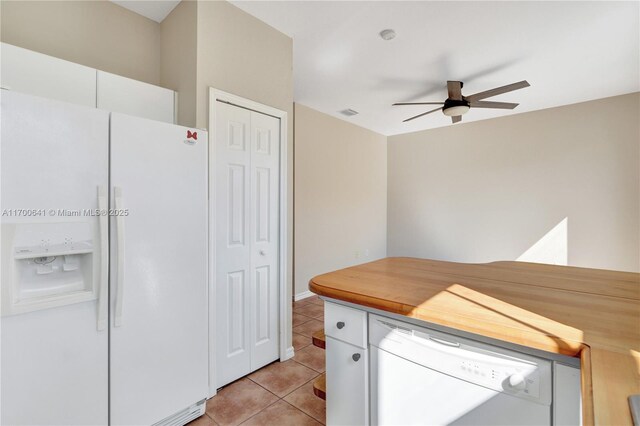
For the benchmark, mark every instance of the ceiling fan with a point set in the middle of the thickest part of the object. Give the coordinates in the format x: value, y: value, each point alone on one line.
x: 456, y: 105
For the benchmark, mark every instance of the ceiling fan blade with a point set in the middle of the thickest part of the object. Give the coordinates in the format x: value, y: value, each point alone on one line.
x: 454, y: 88
x: 417, y: 103
x: 456, y: 118
x: 498, y: 91
x: 489, y: 104
x: 420, y: 115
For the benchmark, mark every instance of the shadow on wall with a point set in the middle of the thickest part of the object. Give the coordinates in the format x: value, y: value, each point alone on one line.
x: 552, y: 248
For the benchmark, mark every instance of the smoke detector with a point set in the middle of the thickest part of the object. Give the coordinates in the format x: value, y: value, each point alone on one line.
x: 387, y: 34
x: 349, y: 112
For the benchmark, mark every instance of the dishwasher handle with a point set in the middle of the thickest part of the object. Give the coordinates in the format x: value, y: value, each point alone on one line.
x: 444, y: 342
x: 418, y: 338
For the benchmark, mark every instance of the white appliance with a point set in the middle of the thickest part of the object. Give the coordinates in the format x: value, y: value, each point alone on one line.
x: 104, y: 318
x: 423, y: 377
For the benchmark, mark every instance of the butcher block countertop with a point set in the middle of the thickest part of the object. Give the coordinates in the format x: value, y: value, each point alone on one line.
x: 592, y: 314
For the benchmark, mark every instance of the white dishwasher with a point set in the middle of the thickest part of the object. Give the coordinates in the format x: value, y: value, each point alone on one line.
x: 423, y: 377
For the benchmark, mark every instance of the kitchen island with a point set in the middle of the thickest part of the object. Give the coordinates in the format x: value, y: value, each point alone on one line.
x: 590, y: 314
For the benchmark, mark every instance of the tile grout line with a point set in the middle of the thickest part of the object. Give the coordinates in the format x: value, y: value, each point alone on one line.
x: 310, y: 381
x: 292, y: 360
x: 249, y: 418
x: 280, y: 399
x: 304, y: 322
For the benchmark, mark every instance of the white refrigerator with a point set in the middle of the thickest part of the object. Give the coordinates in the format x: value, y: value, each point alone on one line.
x: 104, y: 267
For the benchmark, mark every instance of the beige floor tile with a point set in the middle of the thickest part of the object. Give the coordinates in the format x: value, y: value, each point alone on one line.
x: 310, y: 310
x: 281, y: 414
x: 302, y: 302
x: 300, y: 341
x: 309, y: 327
x: 299, y: 319
x: 282, y: 378
x: 238, y: 401
x: 204, y: 420
x: 312, y: 357
x: 317, y: 301
x: 305, y: 400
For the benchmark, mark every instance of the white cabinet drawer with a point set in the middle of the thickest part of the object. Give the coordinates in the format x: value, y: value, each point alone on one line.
x: 347, y: 384
x: 346, y: 324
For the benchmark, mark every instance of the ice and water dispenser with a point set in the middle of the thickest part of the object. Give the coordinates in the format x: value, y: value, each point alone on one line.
x: 46, y: 265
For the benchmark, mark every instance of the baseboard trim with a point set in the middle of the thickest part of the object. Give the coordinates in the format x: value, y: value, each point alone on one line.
x: 303, y: 295
x: 290, y: 353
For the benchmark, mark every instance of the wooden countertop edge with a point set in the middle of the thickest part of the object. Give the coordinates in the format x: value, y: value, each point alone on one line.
x: 584, y: 353
x: 586, y: 387
x: 569, y: 347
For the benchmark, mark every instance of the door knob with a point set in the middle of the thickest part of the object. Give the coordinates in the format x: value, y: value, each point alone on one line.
x: 355, y: 357
x: 262, y: 252
x: 340, y: 325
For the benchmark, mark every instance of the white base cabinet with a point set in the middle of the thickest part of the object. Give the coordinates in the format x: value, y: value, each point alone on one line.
x: 347, y: 365
x: 347, y: 384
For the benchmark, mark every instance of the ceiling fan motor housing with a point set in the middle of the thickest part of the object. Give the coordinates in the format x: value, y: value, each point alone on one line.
x: 454, y: 107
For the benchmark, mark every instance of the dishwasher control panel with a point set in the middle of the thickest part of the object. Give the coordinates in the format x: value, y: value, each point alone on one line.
x: 492, y: 367
x: 519, y: 377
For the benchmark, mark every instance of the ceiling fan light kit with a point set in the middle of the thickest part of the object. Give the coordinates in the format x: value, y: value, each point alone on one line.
x: 456, y: 104
x: 453, y: 108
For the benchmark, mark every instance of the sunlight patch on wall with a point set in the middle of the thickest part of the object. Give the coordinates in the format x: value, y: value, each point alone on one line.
x: 552, y: 248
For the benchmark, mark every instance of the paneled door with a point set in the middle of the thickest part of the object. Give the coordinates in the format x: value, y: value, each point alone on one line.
x: 247, y: 152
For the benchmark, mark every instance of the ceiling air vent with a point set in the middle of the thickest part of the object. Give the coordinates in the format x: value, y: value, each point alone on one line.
x: 349, y: 112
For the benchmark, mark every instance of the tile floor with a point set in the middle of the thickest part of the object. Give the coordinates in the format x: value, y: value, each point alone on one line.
x: 281, y: 393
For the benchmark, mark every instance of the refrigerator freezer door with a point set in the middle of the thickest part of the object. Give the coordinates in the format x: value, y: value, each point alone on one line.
x: 159, y: 350
x: 54, y: 361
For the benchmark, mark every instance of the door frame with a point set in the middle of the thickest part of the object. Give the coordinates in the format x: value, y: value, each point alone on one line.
x: 284, y: 294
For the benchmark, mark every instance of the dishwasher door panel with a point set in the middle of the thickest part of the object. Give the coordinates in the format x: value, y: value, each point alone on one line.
x: 406, y: 393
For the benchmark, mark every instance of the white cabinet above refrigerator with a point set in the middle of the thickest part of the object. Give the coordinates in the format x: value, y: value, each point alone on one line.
x: 34, y: 73
x: 128, y: 96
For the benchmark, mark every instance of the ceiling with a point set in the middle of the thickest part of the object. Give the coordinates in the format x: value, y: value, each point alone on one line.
x: 569, y: 51
x: 156, y: 10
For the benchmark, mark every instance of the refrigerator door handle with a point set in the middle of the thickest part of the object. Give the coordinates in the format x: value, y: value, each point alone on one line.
x: 120, y: 255
x: 104, y: 257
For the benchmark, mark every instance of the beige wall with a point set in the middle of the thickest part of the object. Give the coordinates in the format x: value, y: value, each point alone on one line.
x: 240, y: 54
x: 98, y: 34
x: 340, y: 195
x: 179, y: 58
x: 489, y: 190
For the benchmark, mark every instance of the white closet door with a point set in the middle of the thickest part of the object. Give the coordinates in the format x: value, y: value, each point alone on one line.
x: 246, y: 256
x: 265, y: 154
x: 232, y: 254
